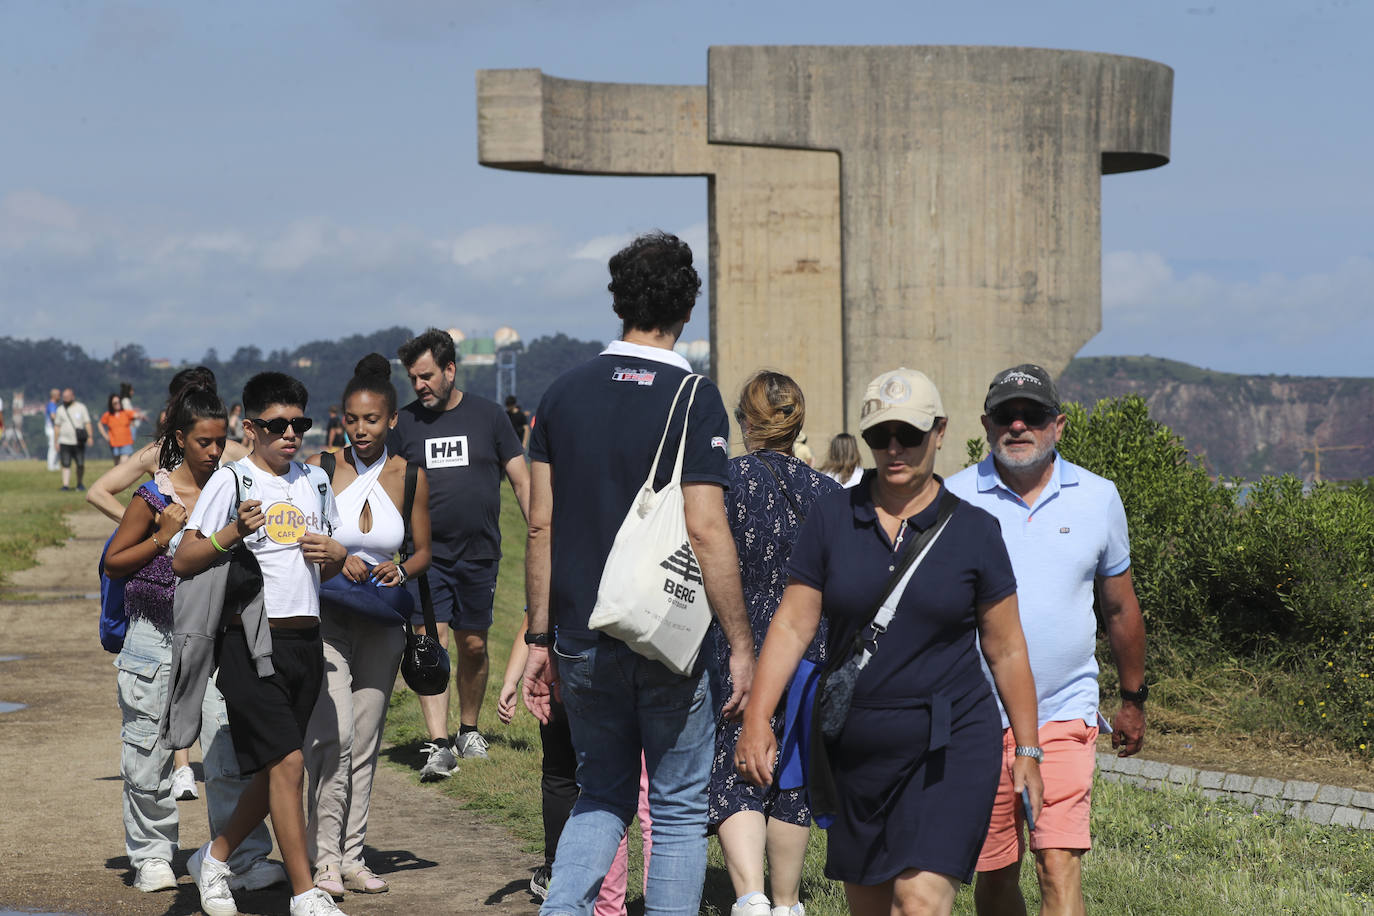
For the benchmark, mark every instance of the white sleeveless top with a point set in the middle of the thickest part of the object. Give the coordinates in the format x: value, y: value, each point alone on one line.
x: 388, y: 528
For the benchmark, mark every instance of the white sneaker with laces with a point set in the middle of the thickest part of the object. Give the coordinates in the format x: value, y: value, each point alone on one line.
x: 439, y: 762
x: 155, y: 875
x: 471, y: 746
x: 262, y: 873
x: 315, y: 902
x: 184, y: 784
x: 795, y: 909
x: 753, y: 905
x: 212, y: 878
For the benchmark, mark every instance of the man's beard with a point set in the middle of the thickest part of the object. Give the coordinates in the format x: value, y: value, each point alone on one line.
x: 1043, y: 453
x: 441, y: 393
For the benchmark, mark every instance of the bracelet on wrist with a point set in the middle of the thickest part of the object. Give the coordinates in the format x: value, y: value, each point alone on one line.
x: 538, y: 639
x: 160, y: 547
x: 1033, y: 753
x: 214, y: 542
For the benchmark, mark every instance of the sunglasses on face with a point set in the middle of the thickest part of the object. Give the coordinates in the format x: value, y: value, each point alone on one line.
x: 278, y: 426
x: 1034, y: 416
x: 907, y: 436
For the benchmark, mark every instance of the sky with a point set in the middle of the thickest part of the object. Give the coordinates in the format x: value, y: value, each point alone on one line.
x: 187, y: 175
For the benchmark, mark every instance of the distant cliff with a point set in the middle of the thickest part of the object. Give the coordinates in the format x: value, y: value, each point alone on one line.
x: 1243, y: 425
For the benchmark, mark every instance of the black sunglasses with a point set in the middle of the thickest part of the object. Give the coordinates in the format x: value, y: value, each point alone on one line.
x: 1034, y: 416
x: 907, y: 436
x: 278, y: 426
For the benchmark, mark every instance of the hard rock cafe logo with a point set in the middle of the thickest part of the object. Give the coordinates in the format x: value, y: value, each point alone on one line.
x: 285, y: 523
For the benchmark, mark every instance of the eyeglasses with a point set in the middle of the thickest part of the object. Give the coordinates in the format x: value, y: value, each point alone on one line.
x: 907, y: 436
x: 1034, y: 416
x: 278, y: 426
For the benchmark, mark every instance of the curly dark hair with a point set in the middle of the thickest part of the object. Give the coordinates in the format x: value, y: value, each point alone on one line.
x: 372, y: 374
x: 653, y: 282
x: 438, y: 344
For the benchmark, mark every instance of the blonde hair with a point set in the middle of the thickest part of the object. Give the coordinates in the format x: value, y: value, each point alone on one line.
x: 772, y: 406
x: 843, y: 458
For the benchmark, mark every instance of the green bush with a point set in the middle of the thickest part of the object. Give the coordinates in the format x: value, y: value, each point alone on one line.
x: 1276, y: 572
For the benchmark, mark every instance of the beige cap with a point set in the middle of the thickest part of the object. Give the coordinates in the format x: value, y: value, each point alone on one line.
x: 904, y: 395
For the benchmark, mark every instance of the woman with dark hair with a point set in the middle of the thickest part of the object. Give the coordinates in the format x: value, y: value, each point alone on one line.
x: 140, y: 552
x: 361, y: 653
x: 145, y: 460
x: 842, y: 464
x: 116, y: 428
x: 771, y: 492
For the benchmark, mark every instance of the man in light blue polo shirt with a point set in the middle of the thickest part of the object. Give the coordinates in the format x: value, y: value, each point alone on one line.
x: 1065, y: 530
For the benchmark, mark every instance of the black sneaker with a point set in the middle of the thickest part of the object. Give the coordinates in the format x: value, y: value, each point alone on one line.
x: 539, y: 884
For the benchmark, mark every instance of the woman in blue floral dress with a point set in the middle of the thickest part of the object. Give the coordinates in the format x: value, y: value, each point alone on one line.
x: 770, y: 493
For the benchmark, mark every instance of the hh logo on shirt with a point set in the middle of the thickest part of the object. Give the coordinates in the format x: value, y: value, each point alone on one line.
x: 446, y: 452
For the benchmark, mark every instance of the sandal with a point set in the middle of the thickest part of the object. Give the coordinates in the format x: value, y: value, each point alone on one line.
x: 327, y: 880
x: 362, y: 880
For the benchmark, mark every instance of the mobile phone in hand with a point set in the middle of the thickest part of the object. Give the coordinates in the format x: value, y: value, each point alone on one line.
x: 1026, y: 807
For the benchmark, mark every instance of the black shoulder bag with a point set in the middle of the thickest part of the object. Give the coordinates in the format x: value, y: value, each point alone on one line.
x: 424, y: 661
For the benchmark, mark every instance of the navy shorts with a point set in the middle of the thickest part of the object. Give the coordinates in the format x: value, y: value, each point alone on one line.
x: 268, y: 715
x: 463, y: 592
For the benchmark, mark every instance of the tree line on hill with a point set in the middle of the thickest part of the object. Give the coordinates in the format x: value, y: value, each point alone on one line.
x: 33, y: 367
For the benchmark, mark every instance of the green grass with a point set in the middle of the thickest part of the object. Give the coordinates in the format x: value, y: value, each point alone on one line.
x: 31, y: 512
x: 1157, y: 852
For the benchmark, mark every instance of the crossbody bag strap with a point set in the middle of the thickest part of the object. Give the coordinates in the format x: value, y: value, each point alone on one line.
x: 407, y: 504
x: 866, y: 639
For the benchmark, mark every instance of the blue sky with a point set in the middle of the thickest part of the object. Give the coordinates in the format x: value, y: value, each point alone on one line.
x: 195, y: 174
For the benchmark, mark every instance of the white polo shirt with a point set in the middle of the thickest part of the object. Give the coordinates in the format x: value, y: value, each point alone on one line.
x: 1075, y: 532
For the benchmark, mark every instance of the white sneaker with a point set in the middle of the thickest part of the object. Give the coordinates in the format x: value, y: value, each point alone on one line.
x: 262, y: 873
x: 184, y: 784
x: 155, y: 875
x: 314, y: 902
x: 795, y: 909
x: 439, y: 762
x: 470, y: 745
x: 212, y: 878
x: 753, y: 905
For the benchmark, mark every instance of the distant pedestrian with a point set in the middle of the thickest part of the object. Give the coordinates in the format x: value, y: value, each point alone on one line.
x: 50, y: 427
x: 116, y: 428
x: 1065, y: 530
x: 72, y: 422
x: 236, y: 423
x: 842, y: 464
x: 519, y: 421
x: 466, y: 445
x: 333, y: 429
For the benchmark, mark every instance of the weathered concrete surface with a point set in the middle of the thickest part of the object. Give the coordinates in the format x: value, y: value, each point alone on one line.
x: 774, y: 215
x: 970, y: 182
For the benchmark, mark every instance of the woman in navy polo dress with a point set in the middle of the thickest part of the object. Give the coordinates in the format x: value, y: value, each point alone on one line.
x: 916, y: 765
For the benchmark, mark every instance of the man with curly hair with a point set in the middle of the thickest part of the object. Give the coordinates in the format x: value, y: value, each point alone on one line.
x: 591, y: 449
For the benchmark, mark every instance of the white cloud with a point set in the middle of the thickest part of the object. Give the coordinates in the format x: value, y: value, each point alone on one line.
x: 486, y: 242
x: 1309, y: 323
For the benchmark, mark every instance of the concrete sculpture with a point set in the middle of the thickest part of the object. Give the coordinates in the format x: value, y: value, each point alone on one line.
x: 934, y: 207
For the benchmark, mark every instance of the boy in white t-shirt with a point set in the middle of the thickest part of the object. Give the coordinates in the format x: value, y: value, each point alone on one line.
x: 285, y: 519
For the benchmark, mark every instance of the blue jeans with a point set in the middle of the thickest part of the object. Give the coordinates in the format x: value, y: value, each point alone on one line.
x: 619, y: 703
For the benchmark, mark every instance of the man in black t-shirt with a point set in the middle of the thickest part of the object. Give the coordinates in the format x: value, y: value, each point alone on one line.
x: 592, y: 449
x: 465, y: 443
x: 518, y: 421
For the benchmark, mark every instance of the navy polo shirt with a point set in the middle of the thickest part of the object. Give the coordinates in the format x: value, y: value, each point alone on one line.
x: 930, y: 646
x: 598, y: 428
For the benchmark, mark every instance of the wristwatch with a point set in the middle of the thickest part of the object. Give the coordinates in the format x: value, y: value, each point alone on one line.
x: 1136, y: 696
x: 538, y: 639
x: 1033, y: 753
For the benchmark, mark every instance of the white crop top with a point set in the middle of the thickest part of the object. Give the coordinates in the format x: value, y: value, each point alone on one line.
x: 388, y: 528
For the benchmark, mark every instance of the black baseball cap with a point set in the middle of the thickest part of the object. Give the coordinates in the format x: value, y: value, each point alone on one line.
x: 1027, y: 381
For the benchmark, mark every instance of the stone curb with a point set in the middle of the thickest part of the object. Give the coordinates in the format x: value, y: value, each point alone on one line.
x: 1321, y: 804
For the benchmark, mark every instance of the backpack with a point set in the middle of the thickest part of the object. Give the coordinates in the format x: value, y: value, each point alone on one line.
x: 114, y: 618
x: 318, y: 476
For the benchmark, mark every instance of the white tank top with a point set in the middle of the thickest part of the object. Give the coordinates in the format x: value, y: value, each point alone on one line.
x: 388, y: 528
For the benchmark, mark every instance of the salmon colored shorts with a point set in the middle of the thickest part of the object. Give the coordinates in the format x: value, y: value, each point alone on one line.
x: 1070, y: 756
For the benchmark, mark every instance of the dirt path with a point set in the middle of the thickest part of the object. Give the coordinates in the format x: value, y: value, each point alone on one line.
x: 61, y: 835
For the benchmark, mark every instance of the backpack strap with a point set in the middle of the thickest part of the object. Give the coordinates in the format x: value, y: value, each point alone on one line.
x: 320, y: 478
x: 328, y: 462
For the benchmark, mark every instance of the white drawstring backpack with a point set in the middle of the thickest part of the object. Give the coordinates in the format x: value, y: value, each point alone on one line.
x: 651, y: 595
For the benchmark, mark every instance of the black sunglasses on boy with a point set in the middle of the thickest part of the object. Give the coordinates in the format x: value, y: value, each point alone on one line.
x: 278, y: 425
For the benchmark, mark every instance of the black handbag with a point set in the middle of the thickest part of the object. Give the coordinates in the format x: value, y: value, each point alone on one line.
x: 425, y: 663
